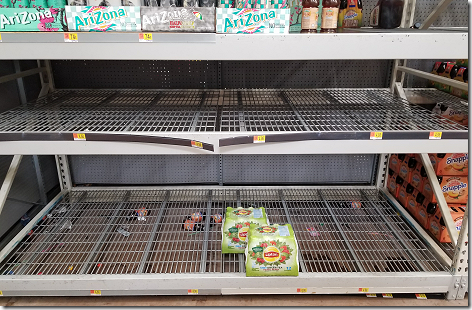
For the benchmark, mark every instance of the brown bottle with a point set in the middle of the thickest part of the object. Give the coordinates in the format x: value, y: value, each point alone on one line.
x: 329, y: 15
x: 310, y: 16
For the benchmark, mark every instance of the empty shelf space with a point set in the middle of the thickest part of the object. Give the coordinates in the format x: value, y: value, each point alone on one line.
x: 146, y: 111
x: 98, y: 232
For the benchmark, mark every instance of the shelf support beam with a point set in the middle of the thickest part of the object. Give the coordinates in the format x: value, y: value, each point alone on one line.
x: 446, y: 215
x: 14, y: 76
x: 206, y: 234
x: 460, y: 263
x: 435, y: 14
x: 434, y: 77
x: 9, y: 178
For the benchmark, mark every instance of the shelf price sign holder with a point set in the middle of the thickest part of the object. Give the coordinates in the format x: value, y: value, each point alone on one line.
x: 71, y: 37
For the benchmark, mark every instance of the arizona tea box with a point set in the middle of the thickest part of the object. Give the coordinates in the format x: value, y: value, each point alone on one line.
x: 249, y: 21
x: 236, y: 227
x: 103, y: 18
x: 45, y: 19
x: 271, y: 251
x: 178, y: 19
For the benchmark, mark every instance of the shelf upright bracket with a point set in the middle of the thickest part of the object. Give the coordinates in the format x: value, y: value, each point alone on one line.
x: 47, y: 80
x: 460, y: 262
x: 446, y: 215
x: 382, y: 171
x: 63, y: 171
x: 407, y: 22
x: 9, y: 178
x: 435, y: 14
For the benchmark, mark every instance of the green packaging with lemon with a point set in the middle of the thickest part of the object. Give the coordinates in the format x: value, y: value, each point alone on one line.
x: 271, y: 251
x: 236, y: 227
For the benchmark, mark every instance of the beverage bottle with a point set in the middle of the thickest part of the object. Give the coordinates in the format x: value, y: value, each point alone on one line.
x: 387, y: 14
x: 310, y: 16
x: 329, y: 15
x: 207, y: 3
x: 350, y: 14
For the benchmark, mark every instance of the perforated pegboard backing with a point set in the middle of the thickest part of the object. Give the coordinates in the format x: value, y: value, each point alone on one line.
x: 455, y: 15
x: 145, y: 169
x: 305, y: 74
x: 145, y: 74
x: 306, y: 169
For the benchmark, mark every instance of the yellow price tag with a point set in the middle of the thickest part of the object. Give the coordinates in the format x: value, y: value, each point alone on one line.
x: 420, y: 296
x: 79, y: 137
x: 71, y: 37
x: 145, y: 37
x: 95, y: 292
x: 197, y: 144
x: 435, y: 135
x: 364, y: 289
x: 259, y: 139
x: 1, y: 293
x: 387, y: 295
x: 302, y: 290
x: 376, y: 135
x: 194, y: 291
x: 0, y: 37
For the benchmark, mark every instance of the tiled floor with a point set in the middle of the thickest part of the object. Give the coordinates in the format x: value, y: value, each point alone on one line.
x: 248, y: 300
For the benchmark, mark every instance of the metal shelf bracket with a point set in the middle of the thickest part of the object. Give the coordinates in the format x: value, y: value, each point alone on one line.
x: 9, y: 178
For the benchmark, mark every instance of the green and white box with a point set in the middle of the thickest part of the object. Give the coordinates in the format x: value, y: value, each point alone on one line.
x: 250, y: 21
x: 103, y: 18
x: 178, y: 19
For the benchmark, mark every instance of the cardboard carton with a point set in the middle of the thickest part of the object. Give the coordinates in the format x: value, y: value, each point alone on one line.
x: 437, y: 226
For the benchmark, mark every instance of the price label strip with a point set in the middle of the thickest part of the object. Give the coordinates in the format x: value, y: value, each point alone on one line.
x: 421, y: 296
x: 79, y: 137
x: 145, y: 37
x: 0, y: 37
x: 71, y: 37
x: 259, y: 139
x: 387, y: 295
x: 197, y: 144
x: 302, y: 290
x: 371, y: 295
x: 363, y: 289
x: 376, y: 135
x: 193, y: 292
x: 1, y: 293
x: 95, y: 292
x: 435, y: 135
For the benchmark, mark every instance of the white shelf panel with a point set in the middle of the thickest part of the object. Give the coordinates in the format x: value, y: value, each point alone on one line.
x: 387, y: 44
x: 324, y: 121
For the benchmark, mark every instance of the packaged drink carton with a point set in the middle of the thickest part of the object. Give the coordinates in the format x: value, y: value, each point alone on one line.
x: 462, y: 76
x: 32, y: 19
x: 427, y: 189
x: 406, y: 168
x: 414, y: 199
x: 455, y: 189
x: 425, y: 212
x: 460, y: 117
x: 403, y: 193
x: 272, y: 251
x: 462, y: 62
x: 452, y: 164
x: 438, y: 228
x: 178, y: 19
x: 446, y: 73
x: 393, y: 162
x: 418, y: 176
x: 252, y: 21
x: 394, y: 184
x: 103, y: 18
x: 235, y: 227
x: 434, y: 71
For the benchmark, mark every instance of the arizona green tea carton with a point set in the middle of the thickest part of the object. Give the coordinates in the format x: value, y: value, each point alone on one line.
x: 271, y: 251
x: 103, y: 18
x: 40, y: 4
x: 46, y: 19
x: 250, y: 21
x: 236, y: 227
x: 178, y: 19
x: 21, y: 4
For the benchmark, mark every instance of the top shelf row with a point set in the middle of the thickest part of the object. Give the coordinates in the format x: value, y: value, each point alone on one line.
x: 364, y: 43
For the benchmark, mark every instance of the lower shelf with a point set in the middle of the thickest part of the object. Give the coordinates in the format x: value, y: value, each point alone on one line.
x: 370, y: 242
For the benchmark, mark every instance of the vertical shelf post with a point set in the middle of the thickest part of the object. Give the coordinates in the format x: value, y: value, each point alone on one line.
x: 9, y: 178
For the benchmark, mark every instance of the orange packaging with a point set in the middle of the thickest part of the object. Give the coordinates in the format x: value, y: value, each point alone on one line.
x: 403, y: 193
x: 394, y: 183
x: 393, y: 162
x: 425, y: 212
x: 427, y: 190
x: 418, y: 177
x: 414, y: 200
x: 437, y: 226
x: 450, y: 164
x: 455, y: 189
x: 406, y: 168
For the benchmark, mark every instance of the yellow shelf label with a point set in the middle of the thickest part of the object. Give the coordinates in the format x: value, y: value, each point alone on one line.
x: 435, y: 135
x: 363, y: 289
x: 259, y: 139
x: 194, y: 291
x: 0, y: 37
x: 376, y: 135
x: 95, y: 292
x: 302, y: 290
x: 71, y: 37
x: 421, y: 296
x: 79, y: 137
x: 197, y: 144
x: 145, y: 37
x: 1, y: 293
x: 371, y: 295
x: 387, y: 295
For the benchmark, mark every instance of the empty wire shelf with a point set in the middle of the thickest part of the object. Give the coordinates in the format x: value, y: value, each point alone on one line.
x: 98, y: 232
